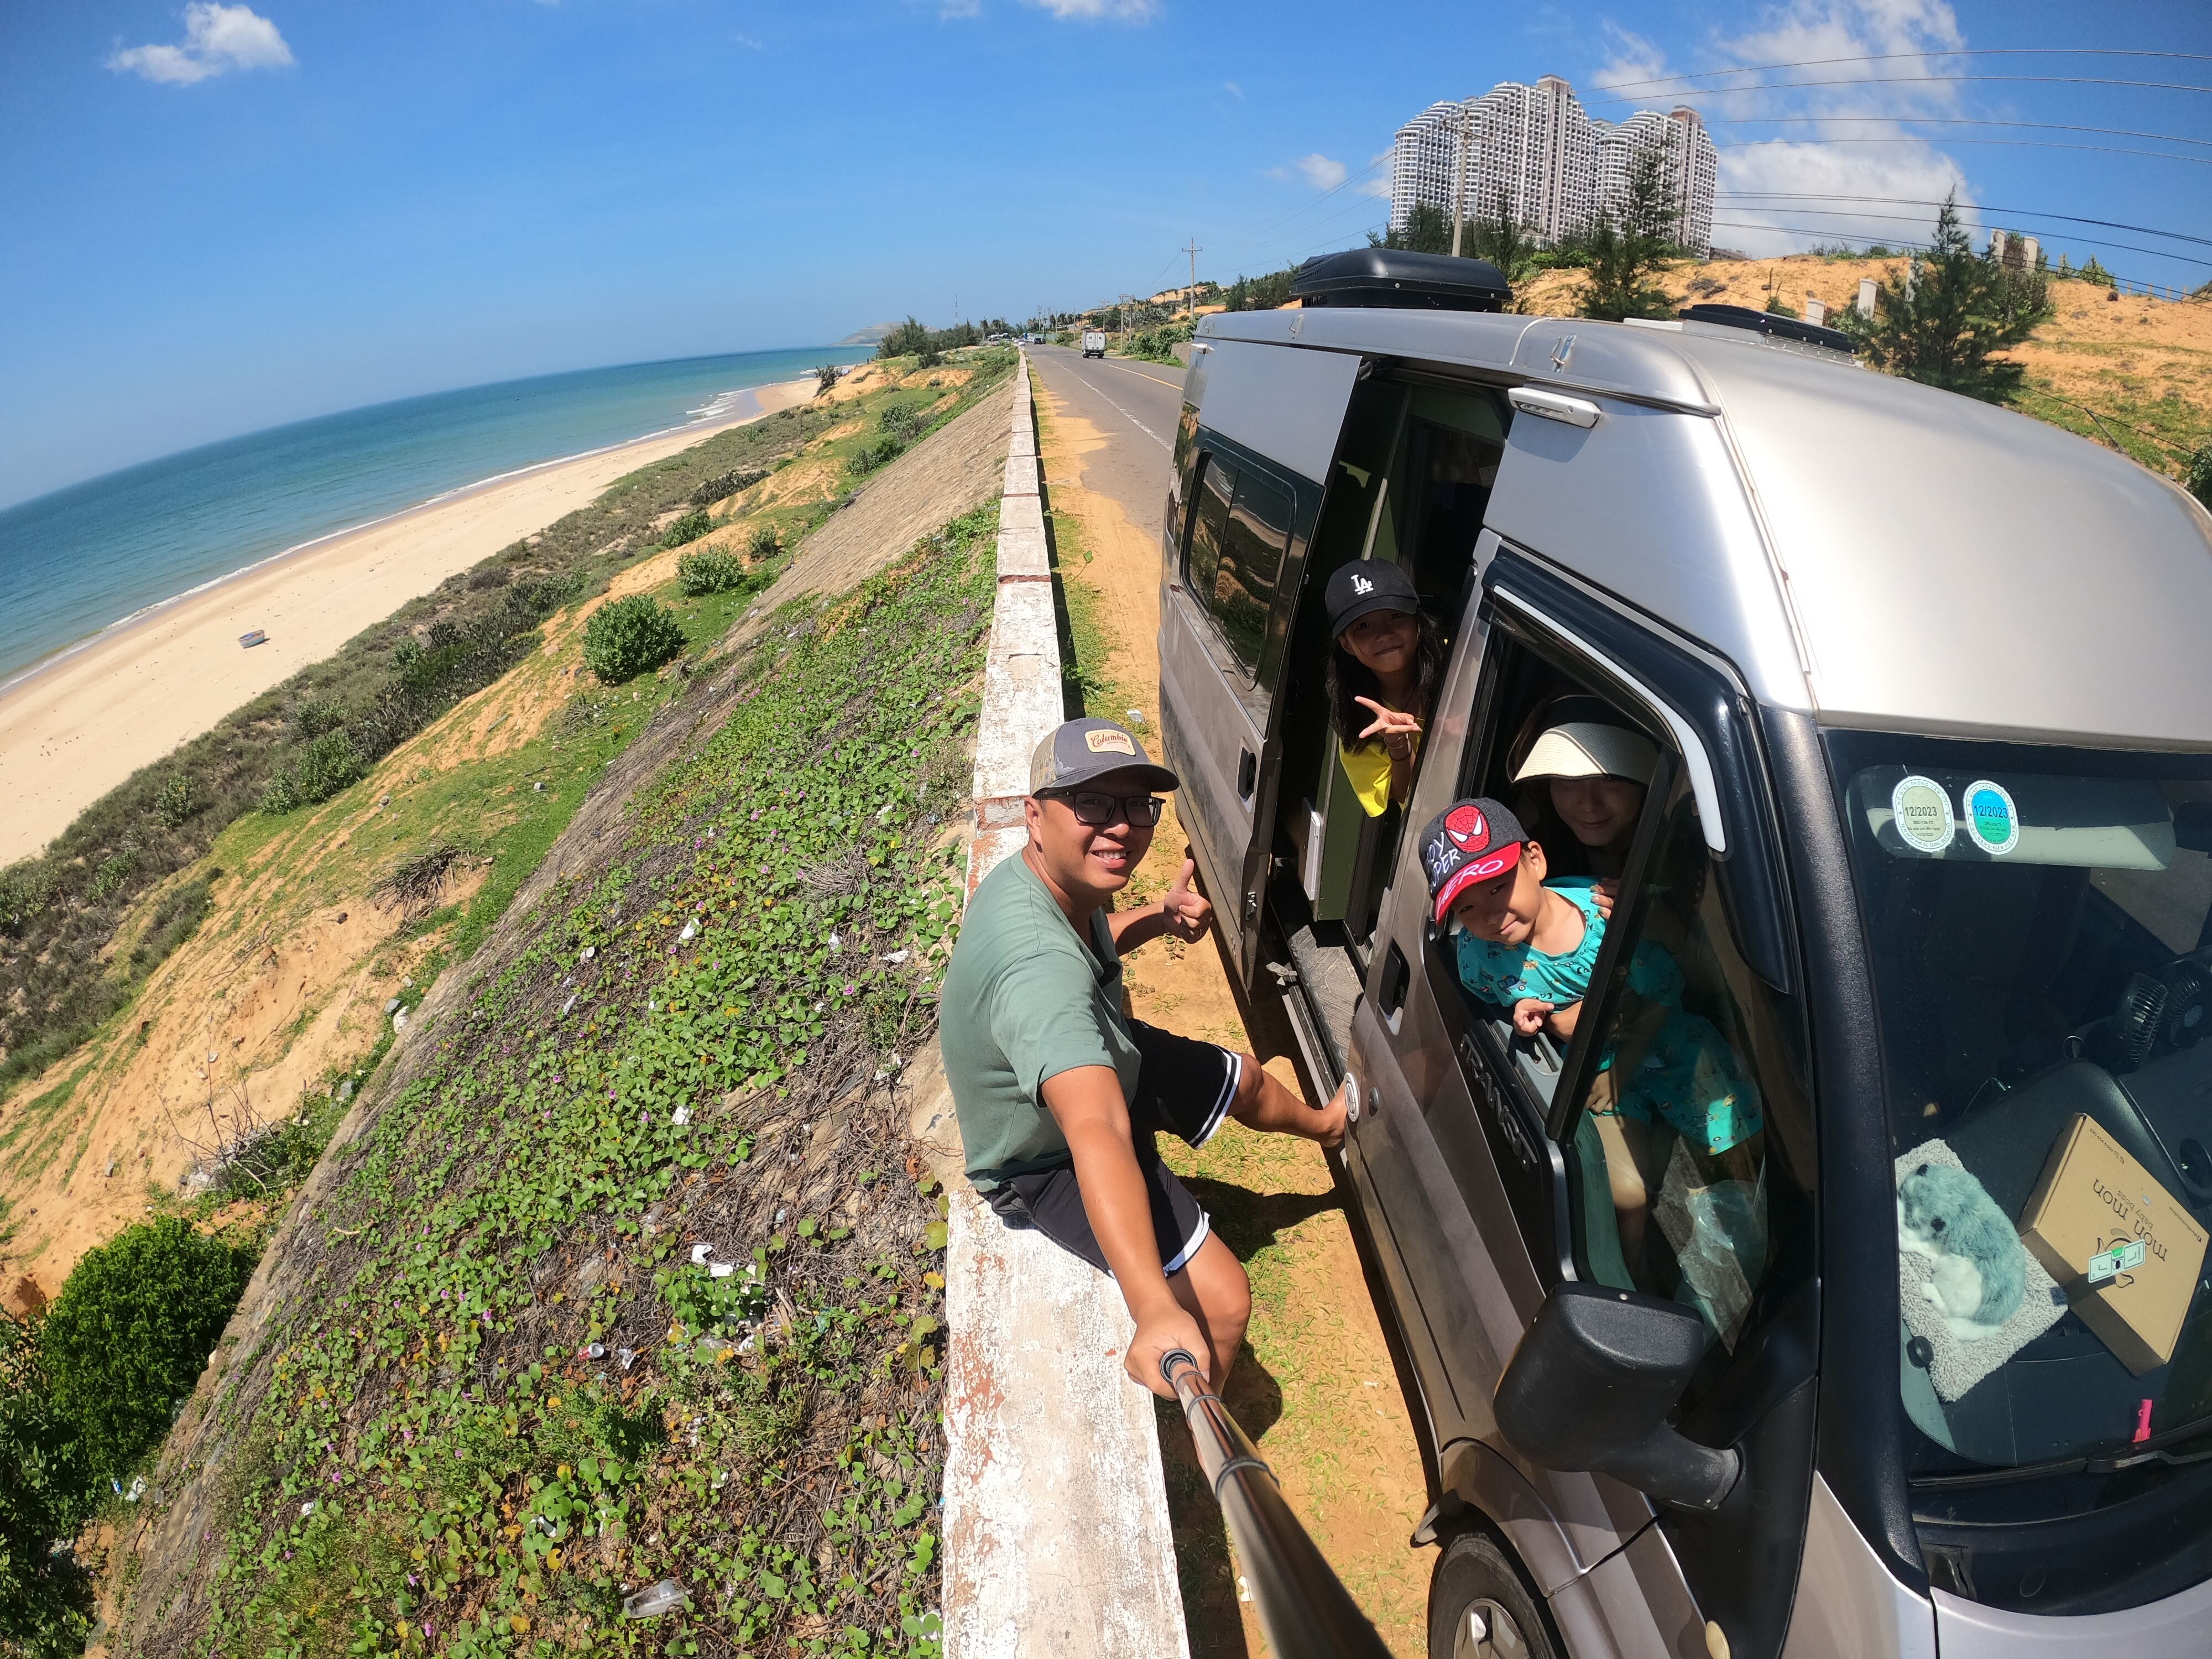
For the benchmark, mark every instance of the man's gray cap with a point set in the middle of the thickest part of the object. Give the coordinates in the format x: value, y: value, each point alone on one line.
x: 1078, y: 751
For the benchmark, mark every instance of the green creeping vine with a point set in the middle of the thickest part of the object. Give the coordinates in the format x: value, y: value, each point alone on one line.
x: 515, y: 1392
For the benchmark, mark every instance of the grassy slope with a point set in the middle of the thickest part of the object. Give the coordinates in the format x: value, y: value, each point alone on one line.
x: 473, y: 1479
x: 470, y: 778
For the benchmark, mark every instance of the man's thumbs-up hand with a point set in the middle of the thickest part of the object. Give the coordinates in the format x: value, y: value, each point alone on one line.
x: 1187, y: 912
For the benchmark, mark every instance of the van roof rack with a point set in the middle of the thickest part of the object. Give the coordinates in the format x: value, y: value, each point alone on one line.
x: 1397, y: 279
x: 1771, y: 323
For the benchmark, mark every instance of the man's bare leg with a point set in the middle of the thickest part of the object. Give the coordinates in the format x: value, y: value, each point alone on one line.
x: 1263, y: 1103
x: 1213, y: 1289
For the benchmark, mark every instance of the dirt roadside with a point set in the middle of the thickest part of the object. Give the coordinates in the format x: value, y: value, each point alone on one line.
x: 1314, y: 1385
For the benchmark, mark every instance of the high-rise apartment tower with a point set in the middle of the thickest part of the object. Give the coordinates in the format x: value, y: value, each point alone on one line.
x: 1533, y: 151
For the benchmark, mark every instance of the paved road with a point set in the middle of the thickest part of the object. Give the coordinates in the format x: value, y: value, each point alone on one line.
x: 1134, y: 406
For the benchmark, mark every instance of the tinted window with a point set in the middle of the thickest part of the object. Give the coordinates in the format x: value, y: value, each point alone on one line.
x: 1259, y: 529
x: 1209, y: 529
x: 1687, y: 1145
x: 2039, y: 923
x: 1668, y: 1160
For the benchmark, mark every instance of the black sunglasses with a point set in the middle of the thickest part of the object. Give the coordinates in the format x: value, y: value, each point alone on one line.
x: 1095, y: 808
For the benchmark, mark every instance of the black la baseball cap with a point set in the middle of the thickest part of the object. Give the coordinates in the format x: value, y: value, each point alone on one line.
x: 1369, y: 585
x: 1469, y: 841
x: 1076, y: 752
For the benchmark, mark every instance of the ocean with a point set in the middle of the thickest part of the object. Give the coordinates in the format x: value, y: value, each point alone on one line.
x: 80, y: 559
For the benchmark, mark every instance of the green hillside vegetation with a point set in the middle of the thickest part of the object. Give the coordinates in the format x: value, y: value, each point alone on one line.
x: 316, y: 735
x: 503, y: 1397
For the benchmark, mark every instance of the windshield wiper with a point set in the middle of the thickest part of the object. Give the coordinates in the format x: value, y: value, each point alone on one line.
x: 2110, y: 1459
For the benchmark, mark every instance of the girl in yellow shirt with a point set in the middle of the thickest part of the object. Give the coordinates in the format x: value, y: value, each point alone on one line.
x: 1382, y: 678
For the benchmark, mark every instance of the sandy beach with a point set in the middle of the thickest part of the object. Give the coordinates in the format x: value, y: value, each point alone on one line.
x: 73, y: 730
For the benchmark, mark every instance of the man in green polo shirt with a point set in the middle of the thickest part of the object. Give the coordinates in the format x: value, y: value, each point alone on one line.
x: 1060, y: 1093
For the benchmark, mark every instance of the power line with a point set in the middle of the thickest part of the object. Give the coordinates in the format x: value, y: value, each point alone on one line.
x: 1948, y: 121
x: 1918, y: 219
x: 1918, y: 80
x: 1895, y: 57
x: 1310, y: 202
x: 2016, y: 143
x: 1978, y: 207
x: 1814, y: 230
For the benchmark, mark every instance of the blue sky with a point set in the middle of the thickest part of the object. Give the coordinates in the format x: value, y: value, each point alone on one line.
x: 223, y: 218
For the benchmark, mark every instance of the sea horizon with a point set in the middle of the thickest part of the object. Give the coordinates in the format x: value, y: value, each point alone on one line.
x: 79, y: 561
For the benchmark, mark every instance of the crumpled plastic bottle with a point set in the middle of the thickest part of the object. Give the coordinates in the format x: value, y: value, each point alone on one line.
x: 654, y: 1600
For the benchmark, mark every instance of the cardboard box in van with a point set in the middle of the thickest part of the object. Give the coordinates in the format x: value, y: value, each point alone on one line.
x: 2125, y: 1251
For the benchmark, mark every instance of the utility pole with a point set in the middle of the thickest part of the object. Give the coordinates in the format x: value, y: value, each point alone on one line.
x: 1190, y: 303
x: 1459, y: 183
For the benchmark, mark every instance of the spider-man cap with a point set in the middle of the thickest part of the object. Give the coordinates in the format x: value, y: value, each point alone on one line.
x: 1469, y: 841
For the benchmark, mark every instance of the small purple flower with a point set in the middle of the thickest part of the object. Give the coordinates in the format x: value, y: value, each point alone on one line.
x: 412, y: 1582
x: 852, y: 990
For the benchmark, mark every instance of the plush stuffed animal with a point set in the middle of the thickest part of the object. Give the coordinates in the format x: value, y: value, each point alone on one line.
x: 1945, y: 1215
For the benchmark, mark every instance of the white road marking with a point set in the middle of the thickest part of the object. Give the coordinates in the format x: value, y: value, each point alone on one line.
x: 1130, y: 418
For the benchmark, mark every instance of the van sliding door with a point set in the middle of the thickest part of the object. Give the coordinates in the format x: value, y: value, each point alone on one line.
x: 1265, y: 430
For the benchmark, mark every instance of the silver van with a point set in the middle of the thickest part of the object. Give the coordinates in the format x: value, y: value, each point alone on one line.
x: 1931, y: 689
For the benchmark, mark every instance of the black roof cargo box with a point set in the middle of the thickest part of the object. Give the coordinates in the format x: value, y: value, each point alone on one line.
x: 1395, y: 278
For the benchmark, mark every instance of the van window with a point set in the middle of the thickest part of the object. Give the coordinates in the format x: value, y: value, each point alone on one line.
x: 1669, y: 1186
x: 1209, y: 527
x: 2038, y: 922
x: 1258, y: 531
x: 1687, y: 1144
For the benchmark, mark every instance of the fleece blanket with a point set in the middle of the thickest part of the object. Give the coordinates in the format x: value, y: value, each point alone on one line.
x: 1956, y: 1366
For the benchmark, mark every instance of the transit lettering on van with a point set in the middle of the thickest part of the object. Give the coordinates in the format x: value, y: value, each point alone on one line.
x: 1688, y: 1372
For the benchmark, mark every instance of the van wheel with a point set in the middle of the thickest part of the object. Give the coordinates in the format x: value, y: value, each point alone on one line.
x: 1480, y: 1607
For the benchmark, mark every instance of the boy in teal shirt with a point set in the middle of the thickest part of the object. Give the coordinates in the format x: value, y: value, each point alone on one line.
x: 1531, y: 946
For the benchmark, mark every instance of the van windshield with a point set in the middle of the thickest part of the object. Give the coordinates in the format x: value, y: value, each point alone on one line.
x: 2038, y: 923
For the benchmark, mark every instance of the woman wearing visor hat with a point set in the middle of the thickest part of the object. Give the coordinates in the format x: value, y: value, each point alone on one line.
x: 1586, y: 775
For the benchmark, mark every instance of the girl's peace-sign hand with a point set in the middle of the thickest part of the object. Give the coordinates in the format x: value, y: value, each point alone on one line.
x: 1396, y: 729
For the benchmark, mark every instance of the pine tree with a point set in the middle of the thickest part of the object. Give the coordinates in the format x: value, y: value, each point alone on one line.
x: 1942, y: 321
x: 1504, y: 240
x: 1632, y: 243
x: 1427, y: 230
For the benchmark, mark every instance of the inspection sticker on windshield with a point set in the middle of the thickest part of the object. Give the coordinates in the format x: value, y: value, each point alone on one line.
x: 2110, y: 1264
x: 1922, y: 808
x: 1992, y: 821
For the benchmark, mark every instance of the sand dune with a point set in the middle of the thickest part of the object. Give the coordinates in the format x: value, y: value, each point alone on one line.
x: 72, y: 731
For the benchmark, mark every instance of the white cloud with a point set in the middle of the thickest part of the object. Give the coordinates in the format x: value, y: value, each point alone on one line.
x: 1634, y: 58
x: 1094, y: 11
x: 217, y: 39
x: 1890, y: 173
x: 1379, y: 184
x: 1815, y: 156
x: 1322, y: 173
x: 1233, y: 90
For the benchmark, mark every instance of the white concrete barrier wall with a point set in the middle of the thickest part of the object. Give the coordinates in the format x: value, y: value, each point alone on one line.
x: 1056, y: 1538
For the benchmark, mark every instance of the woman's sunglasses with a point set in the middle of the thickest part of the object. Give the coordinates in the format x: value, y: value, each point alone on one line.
x: 1096, y: 810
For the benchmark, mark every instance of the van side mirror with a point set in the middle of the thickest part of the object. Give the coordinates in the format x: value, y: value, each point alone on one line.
x: 1590, y: 1386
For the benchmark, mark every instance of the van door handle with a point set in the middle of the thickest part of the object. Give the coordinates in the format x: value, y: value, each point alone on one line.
x: 1391, y: 992
x: 1247, y: 773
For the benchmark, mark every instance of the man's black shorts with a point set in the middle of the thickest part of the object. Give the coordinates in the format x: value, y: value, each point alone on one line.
x: 1184, y: 1087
